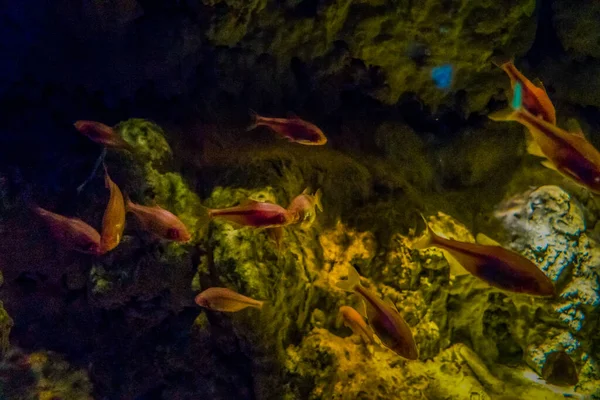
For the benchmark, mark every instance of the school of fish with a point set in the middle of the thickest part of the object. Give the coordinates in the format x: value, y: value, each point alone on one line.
x: 375, y: 320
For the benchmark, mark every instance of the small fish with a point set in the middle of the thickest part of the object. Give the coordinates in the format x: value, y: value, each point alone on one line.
x: 303, y: 207
x: 568, y: 153
x: 560, y: 369
x: 353, y: 320
x: 225, y: 300
x: 442, y: 76
x: 113, y: 221
x: 293, y: 129
x: 102, y: 134
x: 493, y: 264
x: 385, y: 320
x: 70, y: 232
x: 159, y: 222
x: 535, y: 99
x: 254, y: 213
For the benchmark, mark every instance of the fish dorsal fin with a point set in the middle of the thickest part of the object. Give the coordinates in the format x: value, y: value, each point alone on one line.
x: 534, y: 149
x: 537, y: 82
x: 292, y: 115
x: 485, y: 240
x: 248, y: 202
x: 306, y: 191
x: 574, y: 127
x: 390, y: 303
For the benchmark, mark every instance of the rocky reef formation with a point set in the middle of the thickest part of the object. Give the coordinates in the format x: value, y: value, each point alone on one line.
x: 124, y: 325
x: 494, y: 344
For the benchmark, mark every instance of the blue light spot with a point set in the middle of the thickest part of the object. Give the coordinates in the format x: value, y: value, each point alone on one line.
x: 442, y: 76
x: 517, y: 96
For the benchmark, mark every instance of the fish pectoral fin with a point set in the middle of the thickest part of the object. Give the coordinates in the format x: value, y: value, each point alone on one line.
x: 361, y: 308
x: 456, y: 268
x: 485, y: 240
x: 574, y: 127
x: 534, y: 149
x: 549, y: 164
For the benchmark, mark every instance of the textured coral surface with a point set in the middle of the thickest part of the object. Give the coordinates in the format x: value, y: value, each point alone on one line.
x: 176, y: 79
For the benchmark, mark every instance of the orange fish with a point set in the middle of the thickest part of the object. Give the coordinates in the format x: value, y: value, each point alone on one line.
x: 497, y: 266
x: 102, y: 134
x: 225, y: 300
x: 293, y: 129
x: 535, y: 98
x: 71, y: 232
x: 386, y: 321
x: 568, y: 153
x: 254, y: 213
x: 303, y: 207
x: 113, y: 222
x: 353, y: 320
x: 159, y: 222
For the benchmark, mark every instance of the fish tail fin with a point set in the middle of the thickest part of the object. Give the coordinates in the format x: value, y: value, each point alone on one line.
x: 318, y: 196
x: 511, y: 113
x: 352, y: 281
x: 428, y: 237
x: 255, y: 120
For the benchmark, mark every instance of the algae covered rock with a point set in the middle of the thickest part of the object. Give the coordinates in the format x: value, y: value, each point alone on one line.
x: 401, y: 41
x: 549, y: 226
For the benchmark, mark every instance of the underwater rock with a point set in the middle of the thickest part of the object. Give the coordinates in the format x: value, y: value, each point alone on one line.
x: 381, y: 35
x: 549, y: 226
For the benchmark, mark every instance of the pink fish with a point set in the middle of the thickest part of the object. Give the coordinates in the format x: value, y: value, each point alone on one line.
x: 302, y: 208
x: 255, y: 214
x: 102, y: 134
x: 70, y: 232
x: 159, y: 222
x: 293, y: 129
x: 384, y: 318
x: 225, y: 300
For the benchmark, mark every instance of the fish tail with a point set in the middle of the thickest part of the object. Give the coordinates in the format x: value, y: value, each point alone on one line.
x: 427, y: 239
x: 352, y: 281
x: 259, y: 304
x: 513, y: 112
x: 256, y: 120
x: 318, y: 196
